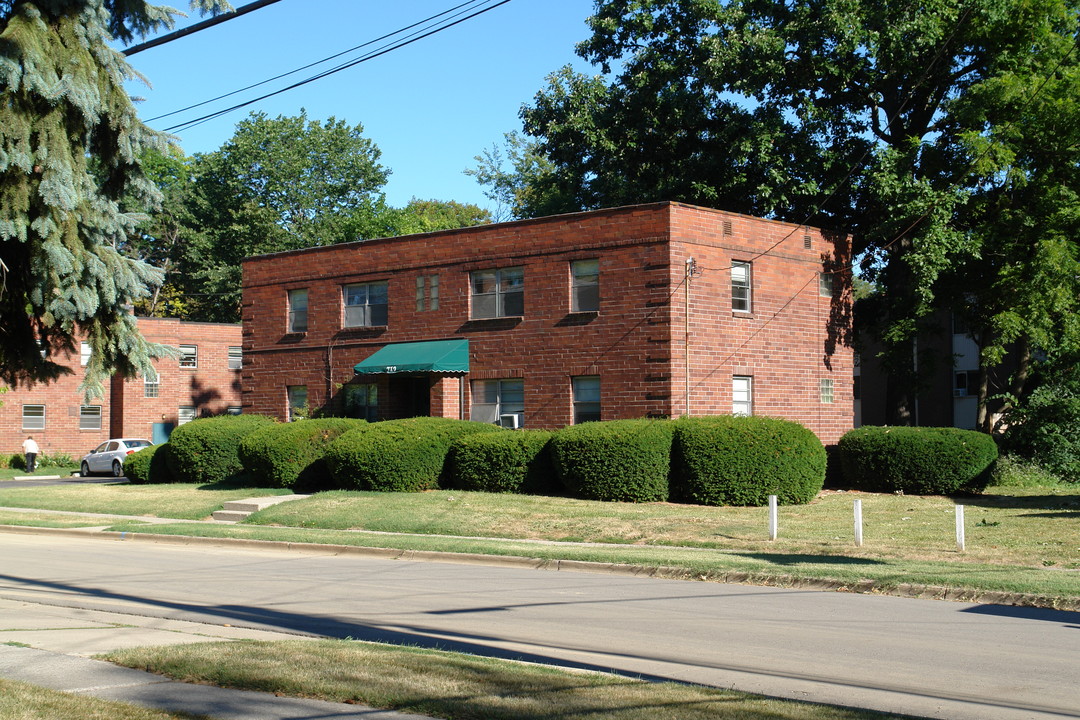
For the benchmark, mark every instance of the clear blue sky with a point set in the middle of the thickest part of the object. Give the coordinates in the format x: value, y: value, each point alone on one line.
x: 430, y: 106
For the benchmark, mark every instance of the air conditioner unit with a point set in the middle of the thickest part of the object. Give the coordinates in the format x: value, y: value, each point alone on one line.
x: 509, y: 421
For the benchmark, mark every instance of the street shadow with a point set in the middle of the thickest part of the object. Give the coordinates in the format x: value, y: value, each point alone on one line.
x: 1068, y: 618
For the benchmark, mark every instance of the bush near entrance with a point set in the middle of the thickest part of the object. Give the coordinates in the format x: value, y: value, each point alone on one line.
x: 290, y: 455
x: 206, y: 450
x: 917, y: 460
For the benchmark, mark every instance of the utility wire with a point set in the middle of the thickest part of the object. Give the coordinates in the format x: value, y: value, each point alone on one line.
x: 371, y: 56
x: 191, y: 29
x: 313, y: 64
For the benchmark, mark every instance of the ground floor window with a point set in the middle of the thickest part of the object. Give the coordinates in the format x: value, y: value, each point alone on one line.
x: 362, y: 401
x: 152, y: 386
x: 89, y: 417
x: 742, y: 395
x: 826, y: 390
x: 186, y: 413
x: 33, y: 417
x: 586, y: 398
x: 298, y: 402
x: 499, y: 401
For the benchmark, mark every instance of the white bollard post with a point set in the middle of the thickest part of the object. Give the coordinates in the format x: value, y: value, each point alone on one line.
x: 772, y: 517
x: 960, y: 528
x: 858, y: 523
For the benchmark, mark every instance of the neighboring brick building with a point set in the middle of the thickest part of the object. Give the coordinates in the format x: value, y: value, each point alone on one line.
x: 560, y: 319
x: 205, y: 379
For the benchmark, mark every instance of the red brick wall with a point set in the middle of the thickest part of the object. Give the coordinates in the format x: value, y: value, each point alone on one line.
x: 125, y: 411
x: 634, y: 343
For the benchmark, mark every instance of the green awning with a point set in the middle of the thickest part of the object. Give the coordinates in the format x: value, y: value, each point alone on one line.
x: 436, y: 356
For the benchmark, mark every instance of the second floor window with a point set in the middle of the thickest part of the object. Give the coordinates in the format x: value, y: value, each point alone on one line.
x: 365, y: 304
x: 236, y: 358
x: 740, y: 286
x: 498, y: 293
x: 298, y: 310
x: 89, y: 417
x: 585, y: 286
x: 189, y: 356
x: 427, y: 292
x: 152, y: 386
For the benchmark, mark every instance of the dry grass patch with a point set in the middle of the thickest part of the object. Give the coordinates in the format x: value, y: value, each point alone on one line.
x: 21, y: 701
x: 450, y: 685
x: 49, y: 520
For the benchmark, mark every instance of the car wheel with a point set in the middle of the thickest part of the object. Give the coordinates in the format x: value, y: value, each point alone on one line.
x: 117, y: 469
x: 84, y: 471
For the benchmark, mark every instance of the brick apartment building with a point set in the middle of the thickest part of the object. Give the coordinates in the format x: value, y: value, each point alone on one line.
x: 655, y: 310
x: 205, y: 379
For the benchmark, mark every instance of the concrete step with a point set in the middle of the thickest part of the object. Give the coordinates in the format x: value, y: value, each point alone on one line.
x: 237, y: 510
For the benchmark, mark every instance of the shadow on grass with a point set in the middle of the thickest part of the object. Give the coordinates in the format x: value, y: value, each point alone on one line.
x: 236, y: 482
x: 803, y: 559
x: 1068, y: 503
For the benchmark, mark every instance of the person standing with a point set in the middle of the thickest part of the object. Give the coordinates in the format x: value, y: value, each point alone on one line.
x: 31, y: 449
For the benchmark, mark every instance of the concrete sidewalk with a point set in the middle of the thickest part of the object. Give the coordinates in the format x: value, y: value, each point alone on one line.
x: 60, y: 639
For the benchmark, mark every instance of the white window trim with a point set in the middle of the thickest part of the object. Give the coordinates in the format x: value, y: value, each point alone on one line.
x: 191, y: 356
x: 35, y: 424
x: 238, y: 356
x: 748, y: 286
x: 742, y: 401
x: 827, y: 391
x: 93, y: 414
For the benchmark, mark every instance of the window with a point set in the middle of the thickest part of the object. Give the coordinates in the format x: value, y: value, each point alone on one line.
x: 427, y: 289
x: 152, y: 386
x: 740, y: 286
x: 963, y: 383
x: 89, y: 417
x: 742, y: 395
x: 362, y: 401
x: 585, y: 286
x: 234, y: 410
x: 499, y: 401
x: 365, y: 304
x: 33, y: 417
x: 189, y: 356
x: 298, y: 403
x: 84, y: 354
x: 236, y: 358
x: 298, y: 304
x: 498, y: 293
x: 826, y: 390
x: 825, y: 284
x: 586, y: 398
x: 186, y: 413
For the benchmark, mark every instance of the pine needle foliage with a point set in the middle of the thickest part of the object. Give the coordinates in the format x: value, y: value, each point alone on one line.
x: 70, y: 142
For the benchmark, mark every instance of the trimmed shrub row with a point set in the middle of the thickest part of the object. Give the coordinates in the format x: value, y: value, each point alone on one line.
x: 148, y: 465
x: 206, y: 450
x: 291, y: 455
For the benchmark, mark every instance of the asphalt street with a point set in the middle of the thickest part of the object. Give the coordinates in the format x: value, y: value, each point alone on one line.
x: 921, y: 657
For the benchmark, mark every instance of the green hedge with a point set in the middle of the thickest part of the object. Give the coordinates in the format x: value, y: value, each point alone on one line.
x: 623, y: 460
x: 917, y: 460
x: 397, y: 455
x: 506, y: 462
x: 205, y: 450
x: 724, y: 460
x: 149, y: 465
x: 291, y: 455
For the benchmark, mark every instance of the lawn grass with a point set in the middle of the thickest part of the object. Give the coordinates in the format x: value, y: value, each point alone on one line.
x: 51, y: 520
x: 180, y: 500
x: 451, y: 685
x: 63, y: 471
x: 21, y: 701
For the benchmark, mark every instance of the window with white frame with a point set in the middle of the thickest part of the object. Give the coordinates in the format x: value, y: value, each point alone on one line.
x: 826, y: 390
x: 585, y: 286
x: 84, y: 354
x: 298, y: 401
x: 740, y: 286
x: 236, y: 358
x: 298, y: 311
x: 89, y: 417
x: 742, y: 395
x: 499, y: 401
x: 362, y: 401
x: 184, y: 414
x: 234, y: 410
x: 498, y: 293
x: 427, y: 292
x: 189, y: 356
x: 152, y: 386
x: 826, y: 285
x: 33, y: 417
x: 365, y: 304
x: 586, y: 390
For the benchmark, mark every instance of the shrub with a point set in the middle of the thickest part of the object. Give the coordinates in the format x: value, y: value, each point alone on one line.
x: 17, y: 461
x: 725, y: 460
x: 205, y: 450
x: 917, y: 460
x: 291, y: 455
x: 513, y: 462
x: 1045, y: 428
x: 397, y: 455
x: 624, y: 460
x: 148, y: 465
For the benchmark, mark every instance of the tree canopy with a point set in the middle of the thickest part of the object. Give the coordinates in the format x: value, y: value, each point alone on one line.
x: 70, y: 148
x: 940, y: 134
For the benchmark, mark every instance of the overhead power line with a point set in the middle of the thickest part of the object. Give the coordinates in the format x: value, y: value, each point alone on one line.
x: 210, y: 22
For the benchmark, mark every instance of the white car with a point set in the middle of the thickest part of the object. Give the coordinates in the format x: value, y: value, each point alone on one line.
x: 108, y: 457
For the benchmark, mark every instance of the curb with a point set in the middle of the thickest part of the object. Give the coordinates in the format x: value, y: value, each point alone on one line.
x: 867, y: 587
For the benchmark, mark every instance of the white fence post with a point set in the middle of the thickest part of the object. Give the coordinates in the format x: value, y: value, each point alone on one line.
x: 772, y: 517
x: 858, y: 523
x: 960, y: 543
